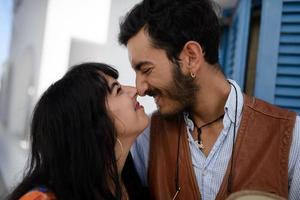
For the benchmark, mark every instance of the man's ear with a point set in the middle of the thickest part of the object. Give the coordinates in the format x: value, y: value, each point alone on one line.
x: 192, y: 57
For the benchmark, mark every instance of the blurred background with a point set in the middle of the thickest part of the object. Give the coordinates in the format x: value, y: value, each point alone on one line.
x: 40, y: 39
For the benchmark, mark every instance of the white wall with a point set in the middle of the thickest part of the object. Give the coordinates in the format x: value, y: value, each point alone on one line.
x: 24, y: 61
x: 110, y: 51
x: 13, y: 160
x: 50, y: 35
x: 68, y: 19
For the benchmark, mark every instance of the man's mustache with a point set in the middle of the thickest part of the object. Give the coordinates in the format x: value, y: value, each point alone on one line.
x: 152, y: 92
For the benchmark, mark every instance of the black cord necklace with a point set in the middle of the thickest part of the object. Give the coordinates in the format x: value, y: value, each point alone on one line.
x: 199, y: 130
x: 231, y: 173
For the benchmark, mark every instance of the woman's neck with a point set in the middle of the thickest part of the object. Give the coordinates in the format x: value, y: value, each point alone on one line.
x: 122, y: 149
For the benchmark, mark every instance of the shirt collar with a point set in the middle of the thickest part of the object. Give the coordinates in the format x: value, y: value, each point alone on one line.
x: 230, y: 105
x: 188, y: 121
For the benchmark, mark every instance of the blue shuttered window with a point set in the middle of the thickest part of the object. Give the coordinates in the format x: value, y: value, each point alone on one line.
x: 231, y: 53
x: 281, y: 68
x: 236, y: 55
x: 287, y: 92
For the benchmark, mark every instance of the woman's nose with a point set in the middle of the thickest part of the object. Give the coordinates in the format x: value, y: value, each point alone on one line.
x: 131, y: 91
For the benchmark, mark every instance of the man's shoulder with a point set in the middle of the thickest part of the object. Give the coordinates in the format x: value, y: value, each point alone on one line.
x: 158, y: 119
x: 267, y: 109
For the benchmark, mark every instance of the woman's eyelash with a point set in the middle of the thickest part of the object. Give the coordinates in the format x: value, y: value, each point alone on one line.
x: 119, y: 89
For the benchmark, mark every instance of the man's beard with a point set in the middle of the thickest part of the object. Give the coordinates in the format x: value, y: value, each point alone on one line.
x: 181, y: 90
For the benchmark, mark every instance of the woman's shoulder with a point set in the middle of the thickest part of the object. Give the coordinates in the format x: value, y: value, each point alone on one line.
x: 38, y: 195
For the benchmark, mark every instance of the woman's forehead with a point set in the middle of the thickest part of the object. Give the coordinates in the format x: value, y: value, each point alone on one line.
x: 109, y: 79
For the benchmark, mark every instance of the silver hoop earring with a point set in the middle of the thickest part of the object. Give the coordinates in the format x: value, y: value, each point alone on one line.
x: 122, y: 149
x: 193, y: 75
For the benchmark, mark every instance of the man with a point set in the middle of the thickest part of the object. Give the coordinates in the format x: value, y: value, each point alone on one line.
x: 207, y: 139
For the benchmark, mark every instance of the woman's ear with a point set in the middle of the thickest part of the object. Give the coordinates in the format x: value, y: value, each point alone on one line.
x: 192, y: 57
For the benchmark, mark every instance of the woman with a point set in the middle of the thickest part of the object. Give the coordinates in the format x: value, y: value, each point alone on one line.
x: 82, y: 129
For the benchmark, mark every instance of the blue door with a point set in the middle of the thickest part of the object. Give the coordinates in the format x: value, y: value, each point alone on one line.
x: 278, y: 63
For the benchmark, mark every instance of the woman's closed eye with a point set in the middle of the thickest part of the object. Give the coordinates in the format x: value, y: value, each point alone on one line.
x: 116, y: 88
x: 119, y: 90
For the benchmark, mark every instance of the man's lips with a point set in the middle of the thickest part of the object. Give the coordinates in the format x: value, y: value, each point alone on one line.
x: 156, y: 98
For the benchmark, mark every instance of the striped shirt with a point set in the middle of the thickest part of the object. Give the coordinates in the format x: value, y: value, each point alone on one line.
x: 210, y: 170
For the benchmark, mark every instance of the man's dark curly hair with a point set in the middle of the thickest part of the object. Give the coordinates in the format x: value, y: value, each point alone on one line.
x: 172, y: 23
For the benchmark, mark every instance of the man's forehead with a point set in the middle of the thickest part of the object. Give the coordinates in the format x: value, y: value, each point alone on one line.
x: 130, y: 58
x: 137, y: 54
x: 138, y: 41
x: 134, y: 60
x: 140, y: 50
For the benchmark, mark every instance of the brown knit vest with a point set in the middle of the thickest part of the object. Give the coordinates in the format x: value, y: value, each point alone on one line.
x: 260, y: 159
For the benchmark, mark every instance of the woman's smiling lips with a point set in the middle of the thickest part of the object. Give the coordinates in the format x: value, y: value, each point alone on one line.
x: 138, y: 106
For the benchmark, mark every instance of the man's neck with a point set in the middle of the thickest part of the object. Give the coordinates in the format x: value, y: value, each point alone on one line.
x: 211, y: 98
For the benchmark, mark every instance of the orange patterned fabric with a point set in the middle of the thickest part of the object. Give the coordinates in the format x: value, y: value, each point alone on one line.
x: 37, y: 195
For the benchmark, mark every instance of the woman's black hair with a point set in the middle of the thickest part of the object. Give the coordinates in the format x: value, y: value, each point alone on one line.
x: 73, y: 138
x: 170, y: 24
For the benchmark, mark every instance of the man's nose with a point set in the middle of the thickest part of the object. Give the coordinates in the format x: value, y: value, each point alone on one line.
x: 141, y: 85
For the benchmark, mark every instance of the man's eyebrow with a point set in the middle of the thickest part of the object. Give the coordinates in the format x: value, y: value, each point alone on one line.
x: 138, y: 66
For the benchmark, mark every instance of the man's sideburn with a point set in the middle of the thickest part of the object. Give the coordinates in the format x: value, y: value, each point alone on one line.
x: 181, y: 89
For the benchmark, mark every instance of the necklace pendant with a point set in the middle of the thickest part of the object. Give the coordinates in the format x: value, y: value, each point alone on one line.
x: 201, y: 146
